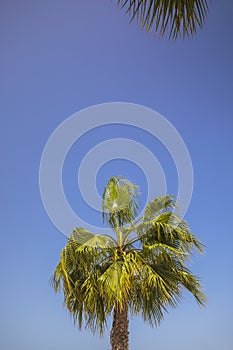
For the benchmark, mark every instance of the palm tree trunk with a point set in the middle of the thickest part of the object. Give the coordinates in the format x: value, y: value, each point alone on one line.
x: 119, y: 336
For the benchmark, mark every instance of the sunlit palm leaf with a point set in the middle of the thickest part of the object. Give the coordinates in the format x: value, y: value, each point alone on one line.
x: 168, y: 228
x: 120, y: 201
x: 88, y: 240
x: 158, y: 205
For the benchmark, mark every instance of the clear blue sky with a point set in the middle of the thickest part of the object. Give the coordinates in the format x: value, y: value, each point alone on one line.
x: 58, y: 57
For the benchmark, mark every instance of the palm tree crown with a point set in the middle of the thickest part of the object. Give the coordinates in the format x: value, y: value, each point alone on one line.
x: 140, y: 268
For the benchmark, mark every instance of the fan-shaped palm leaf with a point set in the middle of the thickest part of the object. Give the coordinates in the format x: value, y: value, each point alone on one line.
x: 177, y: 17
x: 120, y: 201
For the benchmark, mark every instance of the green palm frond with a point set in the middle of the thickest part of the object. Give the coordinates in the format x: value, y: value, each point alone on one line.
x: 168, y: 228
x: 77, y: 275
x: 152, y: 291
x: 176, y: 17
x: 158, y: 205
x: 168, y: 248
x: 112, y: 280
x: 120, y: 202
x: 84, y: 239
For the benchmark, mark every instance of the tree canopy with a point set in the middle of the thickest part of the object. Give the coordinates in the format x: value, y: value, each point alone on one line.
x: 140, y: 268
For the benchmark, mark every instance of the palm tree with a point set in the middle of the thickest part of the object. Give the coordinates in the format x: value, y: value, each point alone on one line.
x: 140, y: 268
x: 178, y: 17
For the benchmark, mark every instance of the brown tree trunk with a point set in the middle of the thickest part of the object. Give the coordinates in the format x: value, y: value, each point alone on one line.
x: 119, y: 336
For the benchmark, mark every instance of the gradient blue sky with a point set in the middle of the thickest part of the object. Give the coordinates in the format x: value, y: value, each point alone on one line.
x: 58, y: 57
